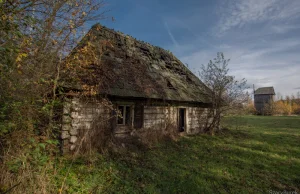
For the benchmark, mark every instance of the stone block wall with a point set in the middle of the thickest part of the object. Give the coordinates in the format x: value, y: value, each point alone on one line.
x: 154, y: 117
x: 196, y: 119
x: 79, y: 116
x: 160, y: 116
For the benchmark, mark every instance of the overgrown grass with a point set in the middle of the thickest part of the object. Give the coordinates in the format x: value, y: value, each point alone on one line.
x: 256, y: 155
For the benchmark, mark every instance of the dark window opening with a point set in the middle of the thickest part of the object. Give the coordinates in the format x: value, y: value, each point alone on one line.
x: 124, y: 115
x: 127, y: 115
x: 120, y: 114
x: 138, y: 116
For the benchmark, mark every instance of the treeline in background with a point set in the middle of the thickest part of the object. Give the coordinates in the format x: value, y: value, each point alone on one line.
x: 290, y: 105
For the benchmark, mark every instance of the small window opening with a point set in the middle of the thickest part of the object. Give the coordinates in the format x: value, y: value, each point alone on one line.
x: 121, y: 114
x: 124, y: 117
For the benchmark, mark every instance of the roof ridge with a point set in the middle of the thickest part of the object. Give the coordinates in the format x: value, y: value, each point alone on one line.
x: 127, y: 35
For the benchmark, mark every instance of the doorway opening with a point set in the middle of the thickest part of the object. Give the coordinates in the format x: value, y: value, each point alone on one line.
x: 182, y: 119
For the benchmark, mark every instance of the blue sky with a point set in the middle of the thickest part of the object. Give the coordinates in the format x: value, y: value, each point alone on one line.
x: 261, y: 37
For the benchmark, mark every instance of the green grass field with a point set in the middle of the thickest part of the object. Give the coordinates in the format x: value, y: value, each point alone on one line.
x: 256, y: 155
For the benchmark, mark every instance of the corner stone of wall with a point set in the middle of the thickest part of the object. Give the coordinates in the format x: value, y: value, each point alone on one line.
x: 79, y: 116
x: 69, y: 127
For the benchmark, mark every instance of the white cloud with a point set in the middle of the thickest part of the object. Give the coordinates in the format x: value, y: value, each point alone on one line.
x: 261, y: 37
x: 281, y: 29
x: 224, y: 46
x: 262, y: 65
x: 269, y: 48
x: 239, y: 13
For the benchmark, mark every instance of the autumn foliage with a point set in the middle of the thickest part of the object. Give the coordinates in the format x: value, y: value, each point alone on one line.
x: 250, y: 108
x: 289, y: 106
x: 35, y: 38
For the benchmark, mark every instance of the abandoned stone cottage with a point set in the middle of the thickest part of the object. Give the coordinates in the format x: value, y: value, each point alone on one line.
x: 147, y: 85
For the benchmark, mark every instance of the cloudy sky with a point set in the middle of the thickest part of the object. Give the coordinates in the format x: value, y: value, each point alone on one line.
x: 260, y: 37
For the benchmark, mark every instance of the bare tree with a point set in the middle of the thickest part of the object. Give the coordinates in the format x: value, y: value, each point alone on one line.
x: 227, y: 93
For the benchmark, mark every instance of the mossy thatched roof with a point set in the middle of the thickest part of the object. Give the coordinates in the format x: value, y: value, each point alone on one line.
x: 133, y: 68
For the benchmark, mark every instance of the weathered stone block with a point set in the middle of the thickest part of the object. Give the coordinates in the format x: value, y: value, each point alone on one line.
x: 67, y: 108
x: 87, y: 125
x: 87, y: 110
x: 75, y: 125
x: 65, y: 142
x: 66, y: 127
x: 66, y: 119
x: 73, y: 139
x: 65, y: 134
x: 154, y: 110
x: 86, y: 120
x: 73, y: 131
x: 146, y: 126
x: 76, y: 108
x: 159, y: 116
x: 99, y: 110
x: 74, y: 114
x: 75, y: 121
x: 75, y: 101
x: 89, y: 116
x: 72, y: 147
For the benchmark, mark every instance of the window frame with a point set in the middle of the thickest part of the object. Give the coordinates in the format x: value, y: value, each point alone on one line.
x: 124, y: 114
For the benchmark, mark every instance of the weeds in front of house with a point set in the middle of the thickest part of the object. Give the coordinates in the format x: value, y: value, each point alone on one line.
x: 153, y: 136
x: 260, y: 155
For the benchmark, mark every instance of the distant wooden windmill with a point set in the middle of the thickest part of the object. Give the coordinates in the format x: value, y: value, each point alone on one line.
x: 263, y: 96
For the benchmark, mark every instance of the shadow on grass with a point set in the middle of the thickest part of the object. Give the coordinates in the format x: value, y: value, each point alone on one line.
x: 252, y: 158
x: 205, y: 164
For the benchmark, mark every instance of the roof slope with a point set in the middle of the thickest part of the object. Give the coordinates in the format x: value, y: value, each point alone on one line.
x: 265, y: 90
x: 134, y: 68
